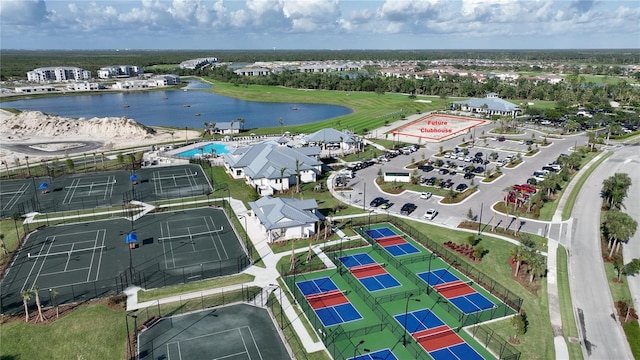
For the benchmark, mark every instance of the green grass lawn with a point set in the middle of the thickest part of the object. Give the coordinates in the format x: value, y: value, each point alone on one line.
x: 370, y: 110
x: 568, y: 208
x: 11, y: 231
x: 569, y: 327
x: 193, y: 286
x: 93, y: 331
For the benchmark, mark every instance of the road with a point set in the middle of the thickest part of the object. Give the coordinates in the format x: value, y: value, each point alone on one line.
x: 631, y: 250
x: 602, y: 334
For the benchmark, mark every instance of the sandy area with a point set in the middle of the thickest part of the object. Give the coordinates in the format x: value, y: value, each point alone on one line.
x: 40, y: 136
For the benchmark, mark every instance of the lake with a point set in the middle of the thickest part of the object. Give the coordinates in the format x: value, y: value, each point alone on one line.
x: 180, y: 108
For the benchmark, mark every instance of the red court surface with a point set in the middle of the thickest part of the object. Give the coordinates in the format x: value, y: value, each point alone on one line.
x: 364, y: 271
x: 331, y: 298
x: 438, y: 127
x: 437, y: 338
x: 454, y: 289
x: 391, y: 240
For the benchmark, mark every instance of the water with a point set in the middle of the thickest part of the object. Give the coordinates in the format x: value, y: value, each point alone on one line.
x: 180, y: 108
x: 219, y: 149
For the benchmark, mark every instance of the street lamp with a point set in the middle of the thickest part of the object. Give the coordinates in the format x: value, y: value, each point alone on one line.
x: 431, y: 256
x: 277, y: 287
x: 406, y: 312
x: 246, y: 233
x: 355, y: 350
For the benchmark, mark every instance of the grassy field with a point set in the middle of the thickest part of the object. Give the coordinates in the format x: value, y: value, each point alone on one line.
x: 370, y: 110
x: 569, y: 327
x: 91, y: 332
x: 568, y: 208
x: 193, y: 287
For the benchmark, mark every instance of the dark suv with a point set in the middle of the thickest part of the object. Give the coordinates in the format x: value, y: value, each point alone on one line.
x: 408, y: 208
x: 378, y: 201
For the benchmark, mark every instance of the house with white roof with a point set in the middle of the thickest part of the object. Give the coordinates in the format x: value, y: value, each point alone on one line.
x: 490, y: 105
x: 286, y: 218
x: 269, y: 167
x: 332, y: 139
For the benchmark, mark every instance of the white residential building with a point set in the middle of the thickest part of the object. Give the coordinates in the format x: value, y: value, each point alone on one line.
x: 196, y: 63
x: 119, y: 71
x: 58, y: 74
x: 286, y: 218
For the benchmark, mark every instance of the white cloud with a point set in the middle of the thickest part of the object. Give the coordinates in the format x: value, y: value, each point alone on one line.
x: 23, y: 12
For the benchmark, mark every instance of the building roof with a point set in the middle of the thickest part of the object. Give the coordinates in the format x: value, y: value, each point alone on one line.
x: 231, y: 125
x: 267, y: 160
x: 278, y: 213
x: 330, y: 135
x: 493, y: 103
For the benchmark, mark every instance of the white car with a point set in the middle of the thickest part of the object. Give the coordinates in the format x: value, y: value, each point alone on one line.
x: 467, y: 158
x: 430, y: 214
x: 425, y: 195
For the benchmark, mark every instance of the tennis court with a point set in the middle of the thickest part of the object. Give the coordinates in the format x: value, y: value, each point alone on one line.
x: 370, y: 273
x: 391, y: 241
x: 385, y: 354
x: 89, y: 260
x: 329, y: 303
x: 93, y: 190
x: 458, y: 292
x: 437, y: 338
x: 237, y: 332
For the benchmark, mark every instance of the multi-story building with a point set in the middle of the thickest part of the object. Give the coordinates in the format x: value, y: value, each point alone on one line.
x: 119, y: 71
x: 58, y: 74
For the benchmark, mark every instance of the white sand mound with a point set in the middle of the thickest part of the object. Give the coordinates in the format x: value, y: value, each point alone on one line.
x: 36, y: 123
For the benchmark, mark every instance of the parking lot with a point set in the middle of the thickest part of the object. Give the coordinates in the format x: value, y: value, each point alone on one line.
x: 464, y: 170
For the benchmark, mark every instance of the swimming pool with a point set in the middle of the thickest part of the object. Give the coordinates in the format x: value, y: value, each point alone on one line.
x: 217, y: 149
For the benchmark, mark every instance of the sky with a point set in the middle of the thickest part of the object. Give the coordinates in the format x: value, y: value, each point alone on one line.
x: 319, y: 24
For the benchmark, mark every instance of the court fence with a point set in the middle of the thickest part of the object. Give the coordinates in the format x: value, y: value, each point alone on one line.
x: 141, y: 319
x: 492, y: 286
x: 495, y: 343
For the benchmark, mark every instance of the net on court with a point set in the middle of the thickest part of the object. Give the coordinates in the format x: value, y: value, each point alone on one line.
x: 68, y: 253
x: 455, y: 289
x: 367, y: 270
x: 391, y: 240
x: 174, y: 177
x: 190, y: 236
x: 90, y: 185
x: 438, y: 338
x: 327, y: 299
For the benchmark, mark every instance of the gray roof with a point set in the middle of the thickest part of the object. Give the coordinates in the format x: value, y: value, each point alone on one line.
x: 330, y: 135
x: 278, y: 213
x: 265, y: 160
x: 228, y: 125
x: 493, y: 103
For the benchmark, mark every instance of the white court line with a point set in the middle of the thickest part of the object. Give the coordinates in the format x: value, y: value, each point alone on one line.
x: 63, y: 272
x: 16, y: 195
x: 93, y: 254
x: 211, y: 237
x: 244, y: 343
x: 34, y: 265
x: 231, y: 355
x: 67, y: 199
x: 254, y: 342
x: 104, y: 234
x: 193, y: 245
x: 68, y: 257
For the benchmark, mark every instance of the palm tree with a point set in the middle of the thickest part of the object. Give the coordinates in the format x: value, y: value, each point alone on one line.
x: 614, y: 189
x: 517, y: 253
x: 282, y: 171
x: 26, y: 296
x: 6, y: 165
x: 537, y: 266
x: 619, y: 227
x: 3, y: 246
x: 84, y: 160
x: 297, y: 176
x: 102, y: 154
x: 241, y: 121
x: 35, y: 291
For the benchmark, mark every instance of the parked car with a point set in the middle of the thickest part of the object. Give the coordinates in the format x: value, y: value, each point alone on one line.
x: 478, y: 170
x: 467, y: 159
x: 378, y: 201
x: 501, y: 138
x: 431, y: 181
x: 430, y: 214
x: 469, y: 175
x: 386, y: 205
x: 426, y: 195
x: 408, y: 208
x: 479, y: 154
x: 461, y: 187
x: 426, y: 168
x: 443, y: 171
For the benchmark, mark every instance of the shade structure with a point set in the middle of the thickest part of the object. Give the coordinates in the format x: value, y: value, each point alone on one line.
x: 43, y: 186
x: 131, y: 238
x: 133, y: 177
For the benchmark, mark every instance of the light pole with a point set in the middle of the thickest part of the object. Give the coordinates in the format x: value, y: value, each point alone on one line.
x: 277, y: 287
x: 355, y: 350
x: 431, y: 256
x: 246, y: 233
x: 229, y: 193
x: 406, y: 313
x: 370, y: 211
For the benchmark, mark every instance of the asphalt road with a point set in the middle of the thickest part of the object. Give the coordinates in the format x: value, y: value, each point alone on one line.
x: 602, y: 334
x: 631, y: 250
